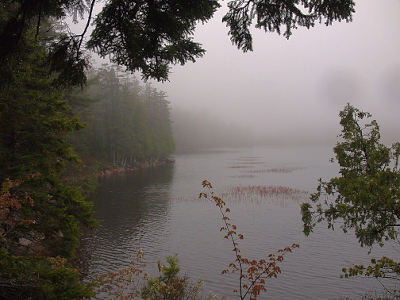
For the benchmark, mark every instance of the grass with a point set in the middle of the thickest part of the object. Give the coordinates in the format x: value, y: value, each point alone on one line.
x: 275, y: 194
x: 283, y: 169
x: 278, y: 195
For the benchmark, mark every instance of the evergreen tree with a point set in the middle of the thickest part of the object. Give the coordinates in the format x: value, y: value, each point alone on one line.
x: 158, y: 122
x: 127, y: 122
x: 149, y: 35
x: 40, y: 217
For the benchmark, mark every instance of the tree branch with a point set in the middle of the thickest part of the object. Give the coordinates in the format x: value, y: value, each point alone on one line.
x: 39, y: 19
x: 87, y: 24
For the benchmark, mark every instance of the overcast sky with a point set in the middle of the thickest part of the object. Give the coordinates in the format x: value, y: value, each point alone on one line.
x: 295, y: 88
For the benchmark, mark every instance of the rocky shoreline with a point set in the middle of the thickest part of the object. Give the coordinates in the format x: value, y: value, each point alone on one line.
x: 143, y: 165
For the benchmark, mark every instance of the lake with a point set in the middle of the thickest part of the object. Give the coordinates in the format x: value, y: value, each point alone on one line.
x: 158, y: 210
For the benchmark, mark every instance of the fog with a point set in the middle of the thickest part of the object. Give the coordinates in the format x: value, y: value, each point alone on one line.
x: 291, y: 91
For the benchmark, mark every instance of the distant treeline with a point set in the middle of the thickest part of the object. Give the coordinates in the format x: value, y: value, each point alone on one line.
x: 126, y: 122
x: 201, y: 130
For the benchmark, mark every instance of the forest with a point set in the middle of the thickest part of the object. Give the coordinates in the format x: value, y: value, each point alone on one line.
x: 127, y: 122
x: 63, y: 121
x: 53, y: 143
x: 54, y: 139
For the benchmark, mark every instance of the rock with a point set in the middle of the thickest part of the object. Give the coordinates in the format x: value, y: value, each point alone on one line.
x: 24, y: 242
x: 59, y: 234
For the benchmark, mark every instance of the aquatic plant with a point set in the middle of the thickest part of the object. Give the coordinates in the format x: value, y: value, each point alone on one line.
x: 277, y: 191
x: 284, y: 169
x: 252, y: 273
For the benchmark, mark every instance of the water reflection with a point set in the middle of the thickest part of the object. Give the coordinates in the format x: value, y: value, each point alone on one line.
x: 132, y: 209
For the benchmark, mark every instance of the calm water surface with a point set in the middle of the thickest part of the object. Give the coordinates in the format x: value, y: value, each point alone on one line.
x: 158, y: 210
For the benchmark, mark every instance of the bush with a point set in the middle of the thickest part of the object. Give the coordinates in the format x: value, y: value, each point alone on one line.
x: 39, y: 278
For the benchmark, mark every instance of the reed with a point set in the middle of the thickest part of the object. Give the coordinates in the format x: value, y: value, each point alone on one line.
x: 248, y: 158
x: 251, y: 163
x: 241, y: 167
x: 274, y: 194
x: 284, y: 169
x: 242, y: 176
x: 258, y: 194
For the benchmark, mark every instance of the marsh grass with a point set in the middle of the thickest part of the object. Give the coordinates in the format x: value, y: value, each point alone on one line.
x: 248, y: 162
x: 248, y: 158
x: 257, y: 194
x: 241, y: 167
x: 242, y: 176
x: 284, y: 169
x: 260, y: 192
x: 251, y: 163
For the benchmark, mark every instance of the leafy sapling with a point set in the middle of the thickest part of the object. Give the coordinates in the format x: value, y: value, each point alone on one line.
x: 365, y: 196
x: 252, y: 273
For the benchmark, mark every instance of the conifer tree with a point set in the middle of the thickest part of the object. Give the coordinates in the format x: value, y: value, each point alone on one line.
x: 149, y: 35
x: 40, y: 216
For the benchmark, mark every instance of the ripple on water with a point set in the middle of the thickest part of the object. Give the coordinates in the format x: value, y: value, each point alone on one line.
x: 159, y: 212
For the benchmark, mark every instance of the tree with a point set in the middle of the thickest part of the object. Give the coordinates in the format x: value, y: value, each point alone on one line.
x: 157, y: 112
x: 40, y: 216
x: 149, y: 35
x: 48, y: 278
x: 127, y: 122
x: 252, y: 273
x: 169, y: 285
x: 34, y: 121
x: 20, y: 19
x: 367, y: 192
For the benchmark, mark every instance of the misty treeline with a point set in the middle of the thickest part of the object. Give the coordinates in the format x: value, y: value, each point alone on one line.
x: 202, y: 130
x: 127, y: 121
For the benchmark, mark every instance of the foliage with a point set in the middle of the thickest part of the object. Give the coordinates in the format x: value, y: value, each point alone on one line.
x: 27, y: 241
x: 49, y: 278
x: 127, y: 122
x: 22, y: 20
x: 40, y: 216
x: 150, y: 35
x: 11, y: 206
x: 374, y: 295
x: 34, y: 123
x: 125, y: 284
x: 366, y: 193
x: 146, y: 36
x: 254, y: 272
x: 169, y: 285
x: 272, y: 16
x: 383, y: 267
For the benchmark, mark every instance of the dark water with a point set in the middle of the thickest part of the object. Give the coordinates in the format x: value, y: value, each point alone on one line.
x: 158, y: 210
